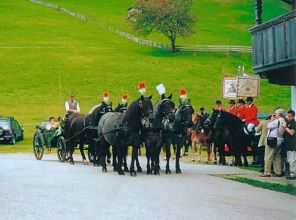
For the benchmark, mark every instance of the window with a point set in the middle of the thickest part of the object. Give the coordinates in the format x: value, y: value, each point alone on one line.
x: 4, y: 123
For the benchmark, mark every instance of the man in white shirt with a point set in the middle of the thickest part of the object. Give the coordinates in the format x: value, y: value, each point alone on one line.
x: 71, y: 105
x: 273, y: 153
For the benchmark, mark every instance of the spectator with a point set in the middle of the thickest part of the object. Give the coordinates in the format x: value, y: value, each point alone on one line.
x: 290, y: 143
x: 263, y: 130
x: 273, y: 153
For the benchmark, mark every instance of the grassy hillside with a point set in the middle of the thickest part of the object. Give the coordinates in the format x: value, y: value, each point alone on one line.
x: 45, y: 54
x: 218, y: 21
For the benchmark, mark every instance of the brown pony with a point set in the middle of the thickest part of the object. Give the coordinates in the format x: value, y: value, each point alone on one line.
x: 201, y: 137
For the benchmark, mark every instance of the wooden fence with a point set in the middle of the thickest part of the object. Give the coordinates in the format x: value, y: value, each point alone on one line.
x: 182, y: 48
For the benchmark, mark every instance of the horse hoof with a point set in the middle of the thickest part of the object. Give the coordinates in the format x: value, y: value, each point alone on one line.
x: 246, y: 164
x: 108, y: 161
x: 139, y: 169
x: 72, y: 162
x: 149, y: 172
x: 178, y: 171
x: 168, y: 172
x: 156, y: 173
x: 133, y: 173
x: 126, y: 169
x: 115, y: 169
x: 120, y: 172
x: 104, y: 170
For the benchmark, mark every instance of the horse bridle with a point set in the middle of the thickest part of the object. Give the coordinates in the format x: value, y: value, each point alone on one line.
x: 182, y: 108
x: 143, y: 116
x: 164, y: 113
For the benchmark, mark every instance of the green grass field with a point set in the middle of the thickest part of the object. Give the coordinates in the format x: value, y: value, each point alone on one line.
x: 45, y: 54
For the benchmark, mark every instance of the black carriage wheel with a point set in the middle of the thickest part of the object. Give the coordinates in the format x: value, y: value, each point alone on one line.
x: 38, y: 145
x: 61, y: 149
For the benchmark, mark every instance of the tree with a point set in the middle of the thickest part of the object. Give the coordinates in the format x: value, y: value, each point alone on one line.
x: 169, y: 17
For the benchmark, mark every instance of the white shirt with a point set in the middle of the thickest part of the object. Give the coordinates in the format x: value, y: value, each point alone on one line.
x: 275, y: 128
x: 49, y: 126
x: 68, y: 107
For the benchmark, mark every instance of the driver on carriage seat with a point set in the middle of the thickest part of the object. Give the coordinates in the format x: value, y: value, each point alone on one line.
x: 72, y: 107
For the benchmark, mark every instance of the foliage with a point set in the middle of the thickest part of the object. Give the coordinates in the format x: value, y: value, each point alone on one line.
x: 172, y: 18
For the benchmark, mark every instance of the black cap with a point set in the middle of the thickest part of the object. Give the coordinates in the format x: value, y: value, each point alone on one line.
x: 218, y: 102
x: 231, y: 101
x: 241, y: 101
x: 202, y: 109
x: 249, y: 99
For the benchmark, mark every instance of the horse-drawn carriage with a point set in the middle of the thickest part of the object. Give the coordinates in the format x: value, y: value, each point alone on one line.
x: 52, y: 139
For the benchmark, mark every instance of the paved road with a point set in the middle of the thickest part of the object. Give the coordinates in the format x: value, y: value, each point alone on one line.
x: 48, y: 189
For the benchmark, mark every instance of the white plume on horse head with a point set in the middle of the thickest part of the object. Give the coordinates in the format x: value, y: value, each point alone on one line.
x: 160, y: 89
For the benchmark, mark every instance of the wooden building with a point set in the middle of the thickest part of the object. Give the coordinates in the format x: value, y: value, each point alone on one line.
x: 274, y: 48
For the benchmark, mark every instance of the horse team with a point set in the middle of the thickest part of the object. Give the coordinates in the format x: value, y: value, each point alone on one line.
x: 155, y: 126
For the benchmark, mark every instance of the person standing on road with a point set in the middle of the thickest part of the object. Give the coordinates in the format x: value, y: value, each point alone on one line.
x: 273, y: 150
x: 290, y: 143
x: 263, y: 130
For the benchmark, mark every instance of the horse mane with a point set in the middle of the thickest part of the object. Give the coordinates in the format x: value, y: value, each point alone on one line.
x: 131, y: 112
x: 228, y: 117
x: 94, y: 108
x: 157, y: 106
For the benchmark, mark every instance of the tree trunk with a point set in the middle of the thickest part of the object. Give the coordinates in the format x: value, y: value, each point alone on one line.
x: 173, y: 43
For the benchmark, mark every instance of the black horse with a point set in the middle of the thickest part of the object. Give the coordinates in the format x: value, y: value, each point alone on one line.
x: 176, y: 132
x: 124, y: 129
x: 80, y: 131
x: 154, y: 140
x: 229, y: 129
x: 122, y: 109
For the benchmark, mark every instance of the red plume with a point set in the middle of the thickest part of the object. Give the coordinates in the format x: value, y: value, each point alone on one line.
x: 125, y: 97
x: 142, y: 85
x: 183, y: 92
x: 106, y: 94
